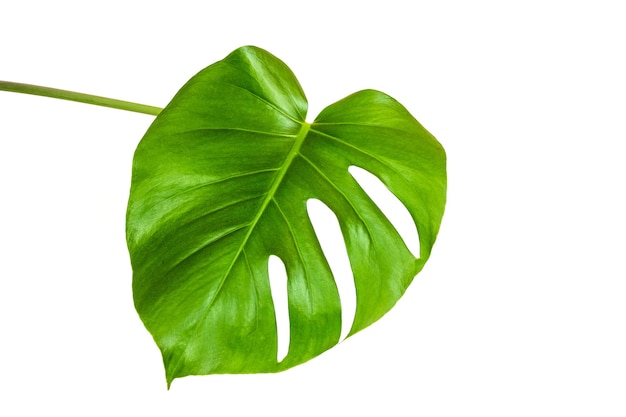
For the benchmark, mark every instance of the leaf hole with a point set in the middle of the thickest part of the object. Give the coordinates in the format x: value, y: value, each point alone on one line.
x: 391, y: 207
x: 331, y: 240
x: 278, y: 288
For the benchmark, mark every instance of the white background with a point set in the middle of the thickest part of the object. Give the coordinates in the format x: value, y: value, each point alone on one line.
x: 520, y: 311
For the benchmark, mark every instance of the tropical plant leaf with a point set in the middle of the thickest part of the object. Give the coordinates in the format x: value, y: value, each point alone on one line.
x: 220, y: 183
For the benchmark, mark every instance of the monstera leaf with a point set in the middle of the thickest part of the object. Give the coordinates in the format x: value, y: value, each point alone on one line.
x: 221, y: 182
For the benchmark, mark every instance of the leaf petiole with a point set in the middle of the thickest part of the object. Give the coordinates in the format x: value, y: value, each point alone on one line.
x: 79, y: 97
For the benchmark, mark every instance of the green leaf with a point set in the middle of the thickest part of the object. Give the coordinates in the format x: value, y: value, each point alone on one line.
x: 220, y: 183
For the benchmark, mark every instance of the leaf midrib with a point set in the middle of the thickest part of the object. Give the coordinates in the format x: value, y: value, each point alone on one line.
x: 293, y: 152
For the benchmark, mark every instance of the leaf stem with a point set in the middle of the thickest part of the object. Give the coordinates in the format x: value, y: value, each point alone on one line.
x: 80, y: 97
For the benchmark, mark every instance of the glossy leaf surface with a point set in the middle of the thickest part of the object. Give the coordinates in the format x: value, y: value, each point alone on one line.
x: 220, y: 183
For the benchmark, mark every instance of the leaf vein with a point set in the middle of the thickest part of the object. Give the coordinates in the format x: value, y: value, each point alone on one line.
x: 260, y: 132
x: 208, y: 184
x: 293, y: 236
x: 375, y: 158
x: 256, y: 290
x: 265, y: 101
x: 364, y: 152
x: 368, y: 125
x: 319, y: 171
x: 204, y: 246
